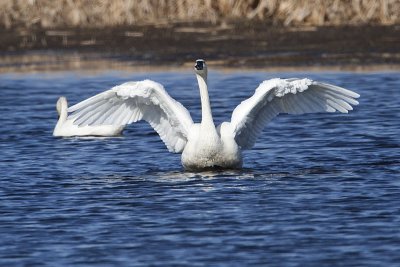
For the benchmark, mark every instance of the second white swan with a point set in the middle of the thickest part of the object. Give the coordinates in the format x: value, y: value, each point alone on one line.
x: 66, y: 128
x: 204, y: 146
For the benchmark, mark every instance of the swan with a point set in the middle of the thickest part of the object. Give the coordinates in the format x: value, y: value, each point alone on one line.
x: 203, y: 145
x: 66, y: 128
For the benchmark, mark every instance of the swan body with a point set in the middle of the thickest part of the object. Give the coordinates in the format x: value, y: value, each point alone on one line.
x: 66, y: 128
x: 203, y: 145
x: 207, y: 149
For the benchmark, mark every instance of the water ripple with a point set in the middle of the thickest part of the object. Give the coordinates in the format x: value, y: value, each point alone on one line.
x: 317, y: 190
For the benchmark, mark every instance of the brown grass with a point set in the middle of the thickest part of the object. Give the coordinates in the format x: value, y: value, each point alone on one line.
x: 100, y: 13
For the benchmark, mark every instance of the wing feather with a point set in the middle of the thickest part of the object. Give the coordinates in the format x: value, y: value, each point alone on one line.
x: 292, y: 96
x: 91, y: 111
x: 134, y: 101
x: 105, y: 114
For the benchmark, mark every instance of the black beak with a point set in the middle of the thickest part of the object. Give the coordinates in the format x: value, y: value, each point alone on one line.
x: 199, y: 65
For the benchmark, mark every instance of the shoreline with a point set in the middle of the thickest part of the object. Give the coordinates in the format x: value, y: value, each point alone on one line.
x: 61, y: 62
x: 227, y: 46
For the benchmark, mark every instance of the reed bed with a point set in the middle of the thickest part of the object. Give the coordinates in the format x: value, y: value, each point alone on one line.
x: 103, y: 13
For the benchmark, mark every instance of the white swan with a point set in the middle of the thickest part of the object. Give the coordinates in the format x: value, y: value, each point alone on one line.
x: 66, y: 128
x: 203, y: 145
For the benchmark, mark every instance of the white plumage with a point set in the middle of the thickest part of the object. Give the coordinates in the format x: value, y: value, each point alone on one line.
x: 202, y: 144
x: 292, y: 96
x: 65, y: 127
x: 134, y: 101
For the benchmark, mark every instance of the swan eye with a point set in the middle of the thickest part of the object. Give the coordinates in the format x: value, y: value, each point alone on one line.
x: 199, y: 65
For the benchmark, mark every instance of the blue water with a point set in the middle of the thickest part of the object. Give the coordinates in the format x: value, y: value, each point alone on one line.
x: 317, y: 190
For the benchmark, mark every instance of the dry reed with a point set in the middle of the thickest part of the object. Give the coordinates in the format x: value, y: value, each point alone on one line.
x: 101, y: 13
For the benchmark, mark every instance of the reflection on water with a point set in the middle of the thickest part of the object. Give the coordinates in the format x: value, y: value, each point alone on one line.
x: 318, y: 189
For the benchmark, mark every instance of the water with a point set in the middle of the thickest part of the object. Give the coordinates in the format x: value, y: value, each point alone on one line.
x: 317, y: 190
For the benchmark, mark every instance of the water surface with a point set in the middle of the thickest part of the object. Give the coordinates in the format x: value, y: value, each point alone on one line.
x: 317, y: 189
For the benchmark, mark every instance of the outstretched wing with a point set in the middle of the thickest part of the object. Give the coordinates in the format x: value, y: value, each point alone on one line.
x: 134, y: 101
x: 292, y: 96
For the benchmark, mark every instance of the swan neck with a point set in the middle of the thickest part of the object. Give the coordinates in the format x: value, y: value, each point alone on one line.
x: 206, y: 115
x: 62, y: 111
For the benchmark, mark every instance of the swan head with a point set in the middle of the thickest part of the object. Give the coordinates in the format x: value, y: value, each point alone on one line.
x: 61, y: 105
x: 201, y: 68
